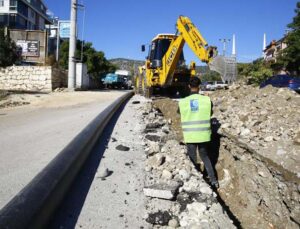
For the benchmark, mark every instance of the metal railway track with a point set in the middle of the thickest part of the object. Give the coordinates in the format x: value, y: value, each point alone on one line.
x: 34, y: 205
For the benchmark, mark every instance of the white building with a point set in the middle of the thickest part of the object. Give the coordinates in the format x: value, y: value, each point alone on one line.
x: 23, y: 14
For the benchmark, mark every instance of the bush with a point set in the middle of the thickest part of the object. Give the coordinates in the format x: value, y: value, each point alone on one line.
x: 8, y: 50
x: 255, y: 72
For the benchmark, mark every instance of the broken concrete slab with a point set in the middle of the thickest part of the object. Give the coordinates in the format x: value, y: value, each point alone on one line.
x: 154, y: 125
x: 162, y: 191
x: 153, y: 138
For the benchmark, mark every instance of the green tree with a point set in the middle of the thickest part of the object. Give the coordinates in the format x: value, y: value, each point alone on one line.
x: 255, y: 72
x: 289, y: 58
x: 8, y: 50
x: 96, y: 62
x: 210, y: 76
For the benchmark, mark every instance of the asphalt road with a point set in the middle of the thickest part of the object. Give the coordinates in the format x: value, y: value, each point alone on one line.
x: 31, y: 136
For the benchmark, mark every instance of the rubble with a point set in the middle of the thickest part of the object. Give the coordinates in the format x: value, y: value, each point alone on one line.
x: 159, y: 218
x: 256, y: 147
x: 267, y: 119
x: 172, y: 183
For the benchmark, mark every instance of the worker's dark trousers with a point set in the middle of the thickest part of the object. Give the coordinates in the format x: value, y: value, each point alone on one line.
x: 202, y: 148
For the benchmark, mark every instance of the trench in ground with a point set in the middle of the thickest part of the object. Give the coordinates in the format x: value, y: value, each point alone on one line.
x: 256, y: 192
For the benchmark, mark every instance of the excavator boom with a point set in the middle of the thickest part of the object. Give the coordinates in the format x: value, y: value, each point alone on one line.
x: 194, y: 39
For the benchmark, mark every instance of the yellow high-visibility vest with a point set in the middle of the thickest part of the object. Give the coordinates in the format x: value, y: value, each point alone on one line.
x: 195, y: 111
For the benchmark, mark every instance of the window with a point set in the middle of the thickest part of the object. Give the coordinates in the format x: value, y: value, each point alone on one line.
x: 1, y: 3
x: 23, y: 9
x: 13, y: 5
x: 3, y: 20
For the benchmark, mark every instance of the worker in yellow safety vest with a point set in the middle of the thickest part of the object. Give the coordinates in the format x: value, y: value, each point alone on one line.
x: 195, y: 111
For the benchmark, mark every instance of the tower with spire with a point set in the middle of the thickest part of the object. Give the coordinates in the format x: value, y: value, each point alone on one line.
x: 233, y: 46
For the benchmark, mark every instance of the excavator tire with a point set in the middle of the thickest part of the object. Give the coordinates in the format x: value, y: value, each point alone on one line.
x: 139, y: 85
x: 147, y: 91
x: 136, y: 85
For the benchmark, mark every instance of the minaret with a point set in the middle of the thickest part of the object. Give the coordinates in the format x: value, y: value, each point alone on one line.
x: 264, y: 44
x: 233, y: 46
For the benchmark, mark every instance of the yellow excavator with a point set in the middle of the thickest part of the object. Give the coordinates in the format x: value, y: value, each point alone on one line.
x: 165, y: 71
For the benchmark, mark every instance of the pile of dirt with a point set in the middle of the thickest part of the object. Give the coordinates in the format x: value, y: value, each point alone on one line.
x: 259, y: 160
x: 265, y: 119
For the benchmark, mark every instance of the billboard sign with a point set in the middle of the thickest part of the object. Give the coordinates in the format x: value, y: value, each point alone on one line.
x: 64, y: 29
x: 29, y: 48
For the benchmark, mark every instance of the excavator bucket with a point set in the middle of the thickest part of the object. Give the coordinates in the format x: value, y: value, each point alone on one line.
x: 225, y: 66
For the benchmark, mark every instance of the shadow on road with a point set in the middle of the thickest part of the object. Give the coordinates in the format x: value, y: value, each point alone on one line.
x: 68, y: 213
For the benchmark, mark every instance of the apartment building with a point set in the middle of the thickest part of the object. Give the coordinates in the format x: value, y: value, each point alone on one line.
x: 272, y: 50
x: 23, y: 14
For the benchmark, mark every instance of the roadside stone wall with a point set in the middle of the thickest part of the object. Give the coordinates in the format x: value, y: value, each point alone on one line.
x: 32, y: 78
x: 59, y: 78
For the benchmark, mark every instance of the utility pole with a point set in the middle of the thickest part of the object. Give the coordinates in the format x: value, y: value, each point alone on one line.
x: 57, y: 38
x: 72, y: 46
x: 224, y: 41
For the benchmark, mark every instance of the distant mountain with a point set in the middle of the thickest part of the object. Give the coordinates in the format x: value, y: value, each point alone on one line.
x: 127, y: 64
x: 202, y: 69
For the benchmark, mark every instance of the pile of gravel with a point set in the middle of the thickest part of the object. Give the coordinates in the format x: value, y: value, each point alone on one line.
x: 267, y: 120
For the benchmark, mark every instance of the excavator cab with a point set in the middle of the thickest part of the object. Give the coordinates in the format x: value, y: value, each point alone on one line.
x: 158, y: 49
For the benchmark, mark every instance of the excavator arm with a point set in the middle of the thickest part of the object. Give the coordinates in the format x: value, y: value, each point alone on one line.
x: 187, y: 33
x: 195, y: 41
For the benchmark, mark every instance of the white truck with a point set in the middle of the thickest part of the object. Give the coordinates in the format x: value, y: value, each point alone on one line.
x: 127, y: 77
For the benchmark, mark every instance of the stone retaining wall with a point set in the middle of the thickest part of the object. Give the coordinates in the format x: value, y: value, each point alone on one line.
x: 32, y: 78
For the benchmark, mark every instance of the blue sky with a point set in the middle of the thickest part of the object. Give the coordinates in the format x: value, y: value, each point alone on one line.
x: 119, y: 27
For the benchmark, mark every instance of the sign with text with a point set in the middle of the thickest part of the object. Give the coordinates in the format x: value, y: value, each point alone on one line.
x: 29, y: 48
x: 64, y: 29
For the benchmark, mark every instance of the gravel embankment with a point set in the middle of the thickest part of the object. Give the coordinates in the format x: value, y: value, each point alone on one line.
x: 256, y: 148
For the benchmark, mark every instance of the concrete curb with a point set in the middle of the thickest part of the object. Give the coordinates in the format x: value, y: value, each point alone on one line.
x: 33, y: 206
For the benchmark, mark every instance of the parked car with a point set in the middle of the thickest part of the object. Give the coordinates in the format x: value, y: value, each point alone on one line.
x: 220, y: 85
x: 210, y: 86
x: 214, y: 85
x: 290, y: 82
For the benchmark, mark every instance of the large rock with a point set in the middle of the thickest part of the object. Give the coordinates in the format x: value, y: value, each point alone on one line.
x: 166, y: 175
x: 155, y: 161
x: 153, y: 147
